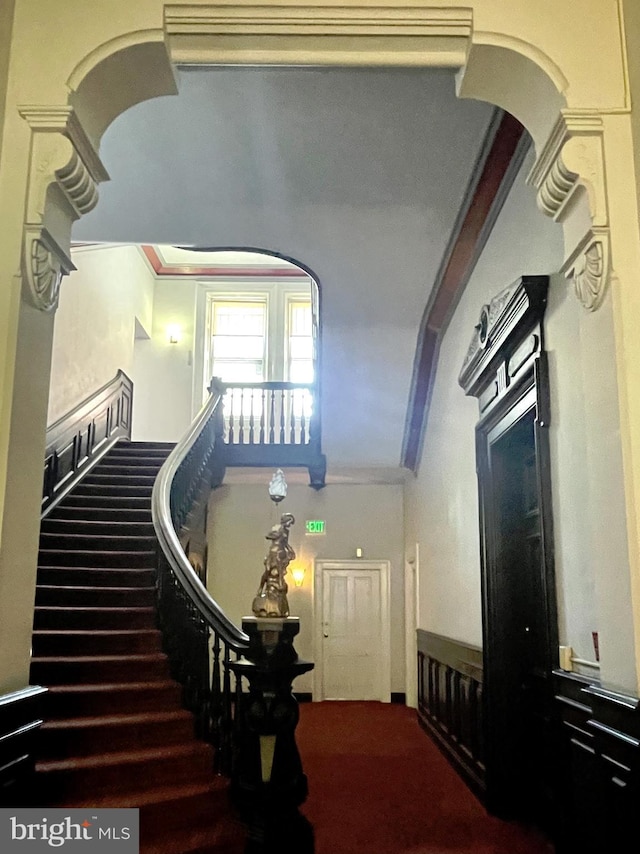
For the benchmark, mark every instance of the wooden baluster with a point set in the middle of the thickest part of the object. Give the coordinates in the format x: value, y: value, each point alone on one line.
x: 216, y: 699
x: 291, y: 406
x: 229, y: 401
x: 272, y: 417
x: 282, y: 419
x: 226, y: 717
x: 263, y: 408
x: 251, y: 417
x: 303, y: 440
x: 241, y: 419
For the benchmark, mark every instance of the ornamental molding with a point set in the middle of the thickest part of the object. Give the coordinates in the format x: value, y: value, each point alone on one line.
x: 589, y: 267
x: 44, y: 263
x: 62, y: 154
x: 573, y: 158
x: 240, y: 28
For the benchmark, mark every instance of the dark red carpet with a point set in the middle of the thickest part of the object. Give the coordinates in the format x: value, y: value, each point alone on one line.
x: 378, y: 785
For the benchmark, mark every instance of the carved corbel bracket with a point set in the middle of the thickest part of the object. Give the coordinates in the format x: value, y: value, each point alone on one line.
x: 44, y: 263
x: 573, y: 158
x: 61, y: 158
x: 61, y: 154
x: 589, y: 267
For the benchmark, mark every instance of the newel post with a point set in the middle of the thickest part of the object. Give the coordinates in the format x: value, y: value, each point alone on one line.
x: 267, y: 781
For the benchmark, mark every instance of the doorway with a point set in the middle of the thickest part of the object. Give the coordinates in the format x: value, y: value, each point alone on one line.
x: 352, y: 652
x: 506, y: 370
x: 519, y: 645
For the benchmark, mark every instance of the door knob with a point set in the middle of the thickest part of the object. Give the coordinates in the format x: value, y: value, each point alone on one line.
x: 326, y: 635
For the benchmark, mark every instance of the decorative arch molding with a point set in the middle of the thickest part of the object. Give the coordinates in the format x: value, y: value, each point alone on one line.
x: 568, y: 175
x: 63, y: 176
x: 123, y: 71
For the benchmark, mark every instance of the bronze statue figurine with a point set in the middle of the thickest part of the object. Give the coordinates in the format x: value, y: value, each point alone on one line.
x: 271, y: 598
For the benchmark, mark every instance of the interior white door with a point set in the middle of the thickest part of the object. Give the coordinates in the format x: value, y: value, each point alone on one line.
x: 354, y: 658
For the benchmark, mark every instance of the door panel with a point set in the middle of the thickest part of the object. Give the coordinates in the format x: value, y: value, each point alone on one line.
x: 352, y: 634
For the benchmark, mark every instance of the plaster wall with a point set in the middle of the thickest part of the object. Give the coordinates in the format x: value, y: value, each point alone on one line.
x: 163, y: 372
x: 6, y: 22
x: 366, y: 515
x: 442, y: 500
x: 95, y: 323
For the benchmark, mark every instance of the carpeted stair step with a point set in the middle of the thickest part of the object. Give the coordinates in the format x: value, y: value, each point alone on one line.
x: 97, y: 478
x: 130, y: 771
x: 110, y: 698
x: 108, y: 502
x: 106, y: 490
x: 85, y: 576
x: 129, y: 466
x: 52, y: 617
x: 95, y: 597
x: 82, y: 541
x: 62, y: 670
x: 223, y: 837
x: 83, y: 513
x: 81, y: 736
x: 97, y: 528
x: 95, y: 642
x: 127, y: 771
x: 124, y: 558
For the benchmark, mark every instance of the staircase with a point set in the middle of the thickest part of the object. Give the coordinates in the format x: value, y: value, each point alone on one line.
x: 116, y: 734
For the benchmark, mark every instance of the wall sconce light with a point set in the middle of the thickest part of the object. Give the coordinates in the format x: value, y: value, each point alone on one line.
x: 297, y: 573
x: 173, y: 333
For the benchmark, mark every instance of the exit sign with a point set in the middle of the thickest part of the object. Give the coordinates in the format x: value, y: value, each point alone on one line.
x: 315, y: 526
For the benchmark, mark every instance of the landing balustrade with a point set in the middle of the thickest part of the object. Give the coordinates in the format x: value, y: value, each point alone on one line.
x: 273, y: 424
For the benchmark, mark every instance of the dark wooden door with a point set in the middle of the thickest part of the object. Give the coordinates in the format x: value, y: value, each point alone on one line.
x: 520, y: 615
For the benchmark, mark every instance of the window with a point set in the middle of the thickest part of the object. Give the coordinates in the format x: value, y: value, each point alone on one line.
x: 238, y: 340
x: 256, y: 337
x: 299, y: 341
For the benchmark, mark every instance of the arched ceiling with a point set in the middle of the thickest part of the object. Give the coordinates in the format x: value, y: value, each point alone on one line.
x: 357, y: 173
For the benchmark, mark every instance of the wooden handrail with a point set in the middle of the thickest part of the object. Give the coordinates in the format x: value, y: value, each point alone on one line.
x: 167, y: 516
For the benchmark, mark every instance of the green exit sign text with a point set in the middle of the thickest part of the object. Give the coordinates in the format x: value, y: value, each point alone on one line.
x: 315, y: 526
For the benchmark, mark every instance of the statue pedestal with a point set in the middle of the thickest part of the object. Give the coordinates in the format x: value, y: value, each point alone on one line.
x: 267, y: 782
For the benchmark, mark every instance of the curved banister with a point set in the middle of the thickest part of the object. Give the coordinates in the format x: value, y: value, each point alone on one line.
x: 164, y: 515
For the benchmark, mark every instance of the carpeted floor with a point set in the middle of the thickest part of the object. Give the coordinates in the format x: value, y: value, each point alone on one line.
x: 378, y: 785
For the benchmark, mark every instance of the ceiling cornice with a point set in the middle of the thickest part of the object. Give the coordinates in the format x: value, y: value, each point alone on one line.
x: 161, y: 269
x: 502, y: 154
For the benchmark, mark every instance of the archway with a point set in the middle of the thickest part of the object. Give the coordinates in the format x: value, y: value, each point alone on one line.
x: 63, y: 168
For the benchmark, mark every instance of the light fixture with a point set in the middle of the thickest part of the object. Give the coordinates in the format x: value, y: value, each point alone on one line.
x: 297, y: 573
x: 278, y: 487
x: 173, y: 333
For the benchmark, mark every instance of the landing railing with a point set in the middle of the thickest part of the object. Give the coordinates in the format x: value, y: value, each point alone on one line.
x: 200, y: 640
x: 273, y: 424
x: 271, y: 413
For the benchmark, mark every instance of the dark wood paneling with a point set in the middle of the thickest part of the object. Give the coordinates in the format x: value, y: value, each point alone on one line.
x: 599, y: 768
x: 20, y: 719
x: 450, y: 702
x: 78, y: 439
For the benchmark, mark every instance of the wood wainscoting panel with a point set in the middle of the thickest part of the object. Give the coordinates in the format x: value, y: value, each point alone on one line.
x: 20, y: 720
x: 450, y: 703
x: 599, y: 765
